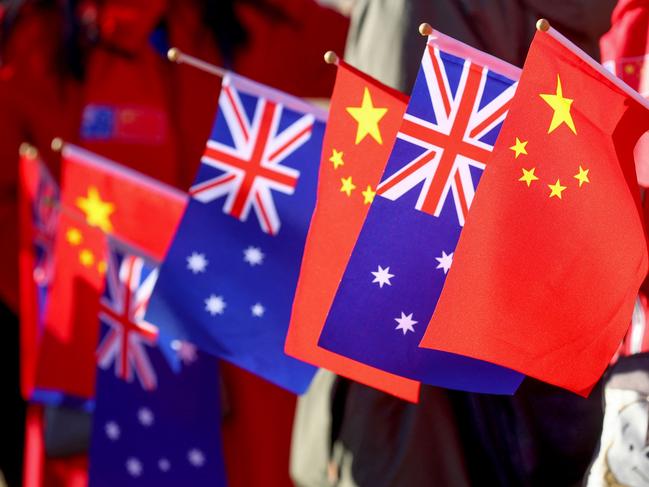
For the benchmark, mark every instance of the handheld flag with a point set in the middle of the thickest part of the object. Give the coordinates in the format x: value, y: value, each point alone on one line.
x: 364, y: 117
x: 556, y: 228
x: 405, y: 248
x: 150, y: 425
x: 99, y: 197
x: 228, y: 280
x: 39, y: 201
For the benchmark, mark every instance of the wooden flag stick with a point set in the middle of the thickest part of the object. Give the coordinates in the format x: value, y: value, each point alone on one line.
x: 425, y: 29
x: 175, y: 55
x: 331, y: 57
x: 57, y: 144
x: 28, y: 150
x: 543, y: 25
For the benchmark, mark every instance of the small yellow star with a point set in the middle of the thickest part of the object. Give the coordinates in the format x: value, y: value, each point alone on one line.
x: 561, y: 108
x: 74, y: 236
x: 519, y: 148
x: 97, y: 211
x: 101, y: 267
x: 337, y: 158
x: 556, y: 189
x: 368, y: 195
x: 528, y: 176
x: 582, y: 177
x: 86, y: 257
x: 347, y: 186
x: 368, y: 117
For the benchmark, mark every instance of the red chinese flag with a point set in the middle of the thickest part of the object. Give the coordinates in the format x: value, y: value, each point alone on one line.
x: 625, y: 52
x: 550, y: 260
x: 363, y: 122
x: 98, y: 198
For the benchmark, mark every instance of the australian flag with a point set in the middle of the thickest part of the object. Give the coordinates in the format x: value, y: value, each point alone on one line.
x: 228, y: 280
x: 151, y: 426
x: 405, y: 249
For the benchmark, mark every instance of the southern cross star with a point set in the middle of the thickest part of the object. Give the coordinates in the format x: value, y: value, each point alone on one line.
x: 382, y: 276
x: 445, y: 261
x: 406, y: 323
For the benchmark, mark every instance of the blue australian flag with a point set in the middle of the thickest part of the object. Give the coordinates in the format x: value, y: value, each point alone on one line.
x: 151, y: 426
x: 405, y: 248
x: 228, y: 280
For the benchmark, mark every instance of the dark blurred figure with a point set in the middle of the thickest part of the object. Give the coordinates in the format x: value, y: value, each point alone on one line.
x: 85, y: 69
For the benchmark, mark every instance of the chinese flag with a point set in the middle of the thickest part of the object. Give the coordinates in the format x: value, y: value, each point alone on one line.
x: 363, y: 122
x: 99, y: 198
x: 625, y: 52
x: 550, y: 260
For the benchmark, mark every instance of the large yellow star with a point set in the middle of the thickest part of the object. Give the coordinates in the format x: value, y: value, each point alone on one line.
x: 73, y: 236
x: 528, y: 176
x: 97, y: 211
x: 368, y: 117
x: 582, y: 177
x: 337, y: 158
x: 368, y: 195
x: 519, y: 148
x: 556, y: 189
x: 561, y: 107
x: 347, y: 186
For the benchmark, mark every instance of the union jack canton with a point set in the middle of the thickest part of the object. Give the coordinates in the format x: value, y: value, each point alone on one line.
x: 452, y: 127
x: 405, y: 248
x: 252, y: 164
x: 129, y: 283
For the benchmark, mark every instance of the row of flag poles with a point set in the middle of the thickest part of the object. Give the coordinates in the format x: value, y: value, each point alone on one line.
x: 484, y: 229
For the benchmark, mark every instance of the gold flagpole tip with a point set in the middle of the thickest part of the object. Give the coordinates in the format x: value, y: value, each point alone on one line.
x: 173, y: 54
x: 27, y: 150
x: 331, y: 57
x: 57, y: 144
x: 425, y: 29
x: 543, y: 25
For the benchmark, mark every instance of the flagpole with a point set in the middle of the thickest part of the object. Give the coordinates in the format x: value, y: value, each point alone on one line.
x: 425, y: 29
x: 28, y: 150
x: 175, y: 55
x: 331, y: 57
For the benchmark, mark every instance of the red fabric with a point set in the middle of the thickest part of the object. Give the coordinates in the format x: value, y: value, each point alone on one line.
x: 286, y: 52
x: 144, y: 214
x: 256, y: 429
x: 336, y: 222
x: 30, y: 167
x: 546, y: 285
x: 625, y: 51
x: 40, y: 471
x: 36, y: 105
